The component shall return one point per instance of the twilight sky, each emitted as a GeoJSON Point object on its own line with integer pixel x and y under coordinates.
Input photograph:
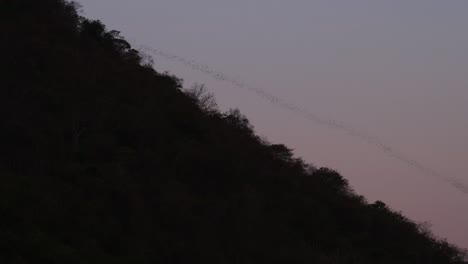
{"type": "Point", "coordinates": [397, 70]}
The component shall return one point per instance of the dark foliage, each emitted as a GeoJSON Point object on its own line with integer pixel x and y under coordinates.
{"type": "Point", "coordinates": [104, 160]}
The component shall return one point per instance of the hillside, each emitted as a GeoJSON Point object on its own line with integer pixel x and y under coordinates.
{"type": "Point", "coordinates": [105, 160]}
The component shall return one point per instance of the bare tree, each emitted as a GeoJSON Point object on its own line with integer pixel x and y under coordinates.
{"type": "Point", "coordinates": [204, 99]}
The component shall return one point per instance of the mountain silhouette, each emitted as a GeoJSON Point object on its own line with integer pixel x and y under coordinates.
{"type": "Point", "coordinates": [105, 160]}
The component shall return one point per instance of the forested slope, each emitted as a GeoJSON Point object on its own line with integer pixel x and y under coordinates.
{"type": "Point", "coordinates": [104, 160]}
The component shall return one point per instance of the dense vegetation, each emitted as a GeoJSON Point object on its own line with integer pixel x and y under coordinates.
{"type": "Point", "coordinates": [104, 160]}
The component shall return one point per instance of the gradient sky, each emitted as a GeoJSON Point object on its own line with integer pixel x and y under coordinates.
{"type": "Point", "coordinates": [397, 70]}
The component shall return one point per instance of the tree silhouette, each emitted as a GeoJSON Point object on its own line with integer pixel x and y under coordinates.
{"type": "Point", "coordinates": [203, 98]}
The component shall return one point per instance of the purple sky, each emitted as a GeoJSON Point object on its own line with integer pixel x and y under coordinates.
{"type": "Point", "coordinates": [397, 70]}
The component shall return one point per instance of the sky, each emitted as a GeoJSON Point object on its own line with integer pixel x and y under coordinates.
{"type": "Point", "coordinates": [396, 70]}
